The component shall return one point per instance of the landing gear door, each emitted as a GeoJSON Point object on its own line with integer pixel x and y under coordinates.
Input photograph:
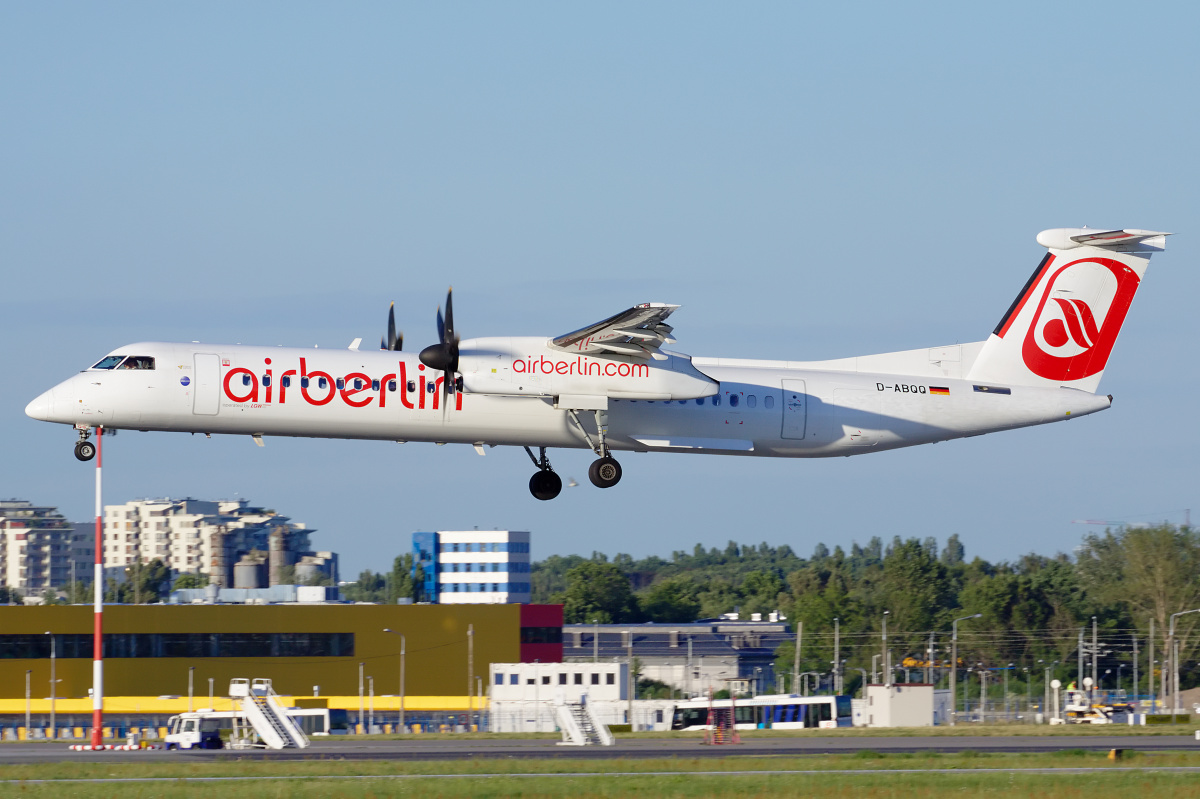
{"type": "Point", "coordinates": [795, 409]}
{"type": "Point", "coordinates": [206, 397]}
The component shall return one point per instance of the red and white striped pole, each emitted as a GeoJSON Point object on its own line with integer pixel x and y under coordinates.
{"type": "Point", "coordinates": [98, 597]}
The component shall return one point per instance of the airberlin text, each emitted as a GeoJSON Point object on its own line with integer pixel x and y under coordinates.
{"type": "Point", "coordinates": [901, 388]}
{"type": "Point", "coordinates": [586, 367]}
{"type": "Point", "coordinates": [355, 389]}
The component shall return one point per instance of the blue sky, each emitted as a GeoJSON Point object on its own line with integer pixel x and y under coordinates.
{"type": "Point", "coordinates": [808, 182]}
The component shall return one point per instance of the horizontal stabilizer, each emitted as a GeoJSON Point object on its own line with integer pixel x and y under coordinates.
{"type": "Point", "coordinates": [1127, 240]}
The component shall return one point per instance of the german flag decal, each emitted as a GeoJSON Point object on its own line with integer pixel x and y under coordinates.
{"type": "Point", "coordinates": [939, 390]}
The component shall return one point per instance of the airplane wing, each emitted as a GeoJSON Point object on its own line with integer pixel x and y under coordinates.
{"type": "Point", "coordinates": [637, 332]}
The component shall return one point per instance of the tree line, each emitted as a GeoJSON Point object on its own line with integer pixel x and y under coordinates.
{"type": "Point", "coordinates": [1031, 609]}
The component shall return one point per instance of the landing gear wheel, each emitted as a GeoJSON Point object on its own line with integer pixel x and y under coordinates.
{"type": "Point", "coordinates": [605, 472]}
{"type": "Point", "coordinates": [545, 484]}
{"type": "Point", "coordinates": [85, 450]}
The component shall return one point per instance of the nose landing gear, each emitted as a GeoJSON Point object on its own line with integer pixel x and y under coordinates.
{"type": "Point", "coordinates": [545, 483]}
{"type": "Point", "coordinates": [84, 449]}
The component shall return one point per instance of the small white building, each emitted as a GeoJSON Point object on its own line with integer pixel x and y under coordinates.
{"type": "Point", "coordinates": [523, 696]}
{"type": "Point", "coordinates": [905, 705]}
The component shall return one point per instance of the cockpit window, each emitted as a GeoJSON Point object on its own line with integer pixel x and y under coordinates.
{"type": "Point", "coordinates": [138, 362]}
{"type": "Point", "coordinates": [109, 362]}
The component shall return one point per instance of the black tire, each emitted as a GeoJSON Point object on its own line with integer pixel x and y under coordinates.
{"type": "Point", "coordinates": [604, 472]}
{"type": "Point", "coordinates": [545, 485]}
{"type": "Point", "coordinates": [85, 450]}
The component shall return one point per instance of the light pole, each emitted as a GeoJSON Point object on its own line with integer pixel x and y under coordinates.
{"type": "Point", "coordinates": [689, 669]}
{"type": "Point", "coordinates": [954, 665]}
{"type": "Point", "coordinates": [1006, 705]}
{"type": "Point", "coordinates": [863, 672]}
{"type": "Point", "coordinates": [470, 669]}
{"type": "Point", "coordinates": [360, 695]}
{"type": "Point", "coordinates": [371, 717]}
{"type": "Point", "coordinates": [757, 679]}
{"type": "Point", "coordinates": [1028, 691]}
{"type": "Point", "coordinates": [887, 673]}
{"type": "Point", "coordinates": [28, 675]}
{"type": "Point", "coordinates": [191, 685]}
{"type": "Point", "coordinates": [1173, 653]}
{"type": "Point", "coordinates": [53, 727]}
{"type": "Point", "coordinates": [875, 668]}
{"type": "Point", "coordinates": [837, 653]}
{"type": "Point", "coordinates": [403, 642]}
{"type": "Point", "coordinates": [595, 641]}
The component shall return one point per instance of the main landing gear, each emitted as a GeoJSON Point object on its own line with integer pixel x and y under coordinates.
{"type": "Point", "coordinates": [84, 449]}
{"type": "Point", "coordinates": [545, 483]}
{"type": "Point", "coordinates": [604, 472]}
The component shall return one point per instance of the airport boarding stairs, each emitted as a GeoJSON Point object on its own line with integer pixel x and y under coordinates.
{"type": "Point", "coordinates": [579, 726]}
{"type": "Point", "coordinates": [264, 721]}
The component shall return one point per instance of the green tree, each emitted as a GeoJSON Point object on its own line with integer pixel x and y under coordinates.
{"type": "Point", "coordinates": [400, 581]}
{"type": "Point", "coordinates": [598, 591]}
{"type": "Point", "coordinates": [1150, 572]}
{"type": "Point", "coordinates": [671, 601]}
{"type": "Point", "coordinates": [191, 580]}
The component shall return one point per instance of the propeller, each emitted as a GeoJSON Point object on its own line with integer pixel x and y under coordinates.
{"type": "Point", "coordinates": [443, 356]}
{"type": "Point", "coordinates": [394, 340]}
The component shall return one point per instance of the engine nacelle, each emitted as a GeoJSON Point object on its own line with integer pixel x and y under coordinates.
{"type": "Point", "coordinates": [528, 366]}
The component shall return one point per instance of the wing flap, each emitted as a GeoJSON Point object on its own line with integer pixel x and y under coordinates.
{"type": "Point", "coordinates": [637, 333]}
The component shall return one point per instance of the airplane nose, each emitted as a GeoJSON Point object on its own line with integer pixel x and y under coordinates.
{"type": "Point", "coordinates": [41, 407]}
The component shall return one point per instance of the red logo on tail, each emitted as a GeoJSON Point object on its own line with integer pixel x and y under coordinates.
{"type": "Point", "coordinates": [1071, 338]}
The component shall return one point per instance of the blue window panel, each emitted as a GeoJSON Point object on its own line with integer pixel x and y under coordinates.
{"type": "Point", "coordinates": [245, 380]}
{"type": "Point", "coordinates": [341, 383]}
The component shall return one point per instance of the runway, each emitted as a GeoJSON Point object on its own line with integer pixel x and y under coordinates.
{"type": "Point", "coordinates": [526, 749]}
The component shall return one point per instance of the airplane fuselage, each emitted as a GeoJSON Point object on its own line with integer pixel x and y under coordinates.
{"type": "Point", "coordinates": [758, 408]}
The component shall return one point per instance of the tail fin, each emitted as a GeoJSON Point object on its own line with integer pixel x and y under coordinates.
{"type": "Point", "coordinates": [1062, 326]}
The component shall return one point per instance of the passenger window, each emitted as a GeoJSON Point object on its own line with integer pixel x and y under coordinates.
{"type": "Point", "coordinates": [357, 384]}
{"type": "Point", "coordinates": [733, 400]}
{"type": "Point", "coordinates": [431, 387]}
{"type": "Point", "coordinates": [716, 399]}
{"type": "Point", "coordinates": [109, 362]}
{"type": "Point", "coordinates": [304, 382]}
{"type": "Point", "coordinates": [768, 401]}
{"type": "Point", "coordinates": [699, 400]}
{"type": "Point", "coordinates": [412, 385]}
{"type": "Point", "coordinates": [391, 385]}
{"type": "Point", "coordinates": [322, 383]}
{"type": "Point", "coordinates": [374, 385]}
{"type": "Point", "coordinates": [341, 383]}
{"type": "Point", "coordinates": [245, 380]}
{"type": "Point", "coordinates": [266, 380]}
{"type": "Point", "coordinates": [285, 382]}
{"type": "Point", "coordinates": [751, 401]}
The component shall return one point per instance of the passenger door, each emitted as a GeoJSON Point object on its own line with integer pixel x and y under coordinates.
{"type": "Point", "coordinates": [795, 409]}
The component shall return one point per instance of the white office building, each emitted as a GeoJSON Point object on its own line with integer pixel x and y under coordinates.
{"type": "Point", "coordinates": [474, 567]}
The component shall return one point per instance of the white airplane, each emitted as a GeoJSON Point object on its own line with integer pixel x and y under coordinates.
{"type": "Point", "coordinates": [610, 387]}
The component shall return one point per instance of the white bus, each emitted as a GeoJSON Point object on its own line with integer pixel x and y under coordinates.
{"type": "Point", "coordinates": [773, 712]}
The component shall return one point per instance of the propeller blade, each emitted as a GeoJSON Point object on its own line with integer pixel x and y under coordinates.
{"type": "Point", "coordinates": [393, 340]}
{"type": "Point", "coordinates": [449, 332]}
{"type": "Point", "coordinates": [441, 326]}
